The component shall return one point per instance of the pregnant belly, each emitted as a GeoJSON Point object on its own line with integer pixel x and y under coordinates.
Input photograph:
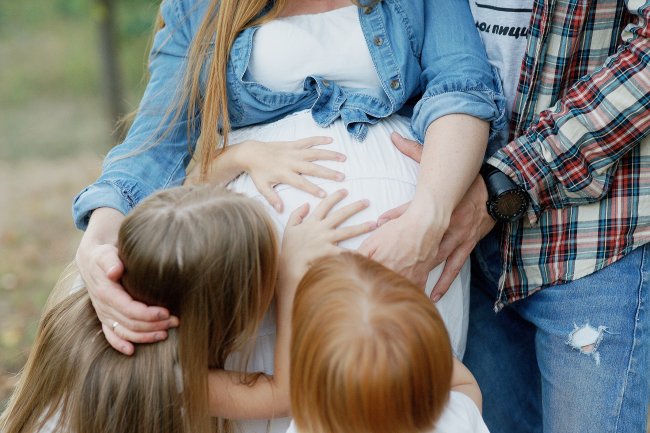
{"type": "Point", "coordinates": [374, 168]}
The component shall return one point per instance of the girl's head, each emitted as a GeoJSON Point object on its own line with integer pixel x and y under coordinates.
{"type": "Point", "coordinates": [210, 257]}
{"type": "Point", "coordinates": [369, 351]}
{"type": "Point", "coordinates": [206, 254]}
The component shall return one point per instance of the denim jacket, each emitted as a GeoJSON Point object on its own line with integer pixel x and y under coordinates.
{"type": "Point", "coordinates": [424, 51]}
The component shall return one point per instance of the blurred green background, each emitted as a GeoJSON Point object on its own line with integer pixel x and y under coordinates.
{"type": "Point", "coordinates": [56, 123]}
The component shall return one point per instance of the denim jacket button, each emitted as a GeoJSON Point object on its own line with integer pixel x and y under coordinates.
{"type": "Point", "coordinates": [395, 84]}
{"type": "Point", "coordinates": [379, 41]}
{"type": "Point", "coordinates": [367, 10]}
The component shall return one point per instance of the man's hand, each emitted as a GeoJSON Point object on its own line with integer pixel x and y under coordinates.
{"type": "Point", "coordinates": [469, 223]}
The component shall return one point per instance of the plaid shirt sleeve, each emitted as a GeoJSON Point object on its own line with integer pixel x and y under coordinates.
{"type": "Point", "coordinates": [570, 155]}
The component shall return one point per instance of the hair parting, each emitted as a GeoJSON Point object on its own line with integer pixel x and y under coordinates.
{"type": "Point", "coordinates": [369, 351]}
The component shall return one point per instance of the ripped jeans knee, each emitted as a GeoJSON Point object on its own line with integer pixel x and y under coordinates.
{"type": "Point", "coordinates": [586, 339]}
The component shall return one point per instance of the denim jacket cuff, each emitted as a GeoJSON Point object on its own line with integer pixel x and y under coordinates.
{"type": "Point", "coordinates": [471, 98]}
{"type": "Point", "coordinates": [105, 194]}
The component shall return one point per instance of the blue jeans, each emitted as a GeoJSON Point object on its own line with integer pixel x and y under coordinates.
{"type": "Point", "coordinates": [571, 358]}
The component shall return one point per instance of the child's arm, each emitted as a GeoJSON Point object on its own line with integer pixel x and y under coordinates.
{"type": "Point", "coordinates": [462, 380]}
{"type": "Point", "coordinates": [272, 163]}
{"type": "Point", "coordinates": [305, 240]}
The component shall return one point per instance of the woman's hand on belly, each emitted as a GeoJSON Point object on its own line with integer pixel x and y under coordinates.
{"type": "Point", "coordinates": [408, 244]}
{"type": "Point", "coordinates": [469, 223]}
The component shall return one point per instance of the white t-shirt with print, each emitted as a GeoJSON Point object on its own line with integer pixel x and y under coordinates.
{"type": "Point", "coordinates": [503, 26]}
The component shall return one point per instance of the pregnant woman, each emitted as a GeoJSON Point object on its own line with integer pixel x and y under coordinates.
{"type": "Point", "coordinates": [262, 78]}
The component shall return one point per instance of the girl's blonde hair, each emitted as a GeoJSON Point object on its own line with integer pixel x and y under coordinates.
{"type": "Point", "coordinates": [210, 257]}
{"type": "Point", "coordinates": [369, 351]}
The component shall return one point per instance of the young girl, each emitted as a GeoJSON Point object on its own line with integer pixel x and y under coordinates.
{"type": "Point", "coordinates": [370, 354]}
{"type": "Point", "coordinates": [211, 258]}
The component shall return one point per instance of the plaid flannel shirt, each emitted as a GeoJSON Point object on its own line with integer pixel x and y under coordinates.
{"type": "Point", "coordinates": [581, 115]}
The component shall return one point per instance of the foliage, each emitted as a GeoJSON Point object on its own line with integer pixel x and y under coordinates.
{"type": "Point", "coordinates": [50, 82]}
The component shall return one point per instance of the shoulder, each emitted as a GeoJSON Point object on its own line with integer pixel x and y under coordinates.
{"type": "Point", "coordinates": [461, 416]}
{"type": "Point", "coordinates": [184, 15]}
{"type": "Point", "coordinates": [292, 428]}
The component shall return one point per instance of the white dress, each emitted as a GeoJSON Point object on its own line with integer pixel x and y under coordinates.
{"type": "Point", "coordinates": [460, 416]}
{"type": "Point", "coordinates": [285, 51]}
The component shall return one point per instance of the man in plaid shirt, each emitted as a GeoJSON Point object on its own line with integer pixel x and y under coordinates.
{"type": "Point", "coordinates": [568, 351]}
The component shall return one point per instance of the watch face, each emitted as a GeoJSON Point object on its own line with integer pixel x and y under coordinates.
{"type": "Point", "coordinates": [509, 203]}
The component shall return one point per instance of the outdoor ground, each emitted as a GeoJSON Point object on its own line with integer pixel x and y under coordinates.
{"type": "Point", "coordinates": [38, 240]}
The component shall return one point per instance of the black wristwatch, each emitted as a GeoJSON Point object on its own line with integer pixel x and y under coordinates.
{"type": "Point", "coordinates": [507, 201]}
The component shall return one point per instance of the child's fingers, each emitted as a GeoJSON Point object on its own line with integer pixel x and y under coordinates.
{"type": "Point", "coordinates": [308, 142]}
{"type": "Point", "coordinates": [271, 196]}
{"type": "Point", "coordinates": [323, 155]}
{"type": "Point", "coordinates": [350, 232]}
{"type": "Point", "coordinates": [303, 184]}
{"type": "Point", "coordinates": [335, 219]}
{"type": "Point", "coordinates": [298, 215]}
{"type": "Point", "coordinates": [311, 169]}
{"type": "Point", "coordinates": [326, 205]}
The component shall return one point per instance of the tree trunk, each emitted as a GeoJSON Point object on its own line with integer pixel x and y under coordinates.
{"type": "Point", "coordinates": [110, 65]}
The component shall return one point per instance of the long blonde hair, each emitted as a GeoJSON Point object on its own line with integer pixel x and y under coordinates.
{"type": "Point", "coordinates": [369, 351]}
{"type": "Point", "coordinates": [224, 20]}
{"type": "Point", "coordinates": [210, 257]}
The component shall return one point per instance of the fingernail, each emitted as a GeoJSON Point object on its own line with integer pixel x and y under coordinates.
{"type": "Point", "coordinates": [340, 176]}
{"type": "Point", "coordinates": [372, 225]}
{"type": "Point", "coordinates": [160, 336]}
{"type": "Point", "coordinates": [162, 315]}
{"type": "Point", "coordinates": [436, 298]}
{"type": "Point", "coordinates": [365, 202]}
{"type": "Point", "coordinates": [126, 350]}
{"type": "Point", "coordinates": [381, 222]}
{"type": "Point", "coordinates": [278, 207]}
{"type": "Point", "coordinates": [112, 269]}
{"type": "Point", "coordinates": [321, 194]}
{"type": "Point", "coordinates": [342, 158]}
